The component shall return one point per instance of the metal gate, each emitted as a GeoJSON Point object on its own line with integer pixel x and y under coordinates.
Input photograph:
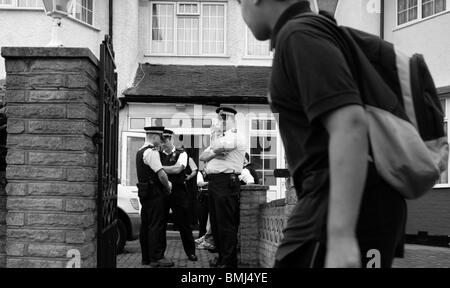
{"type": "Point", "coordinates": [108, 116]}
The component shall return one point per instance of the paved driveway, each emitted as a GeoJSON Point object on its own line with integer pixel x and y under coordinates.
{"type": "Point", "coordinates": [415, 256]}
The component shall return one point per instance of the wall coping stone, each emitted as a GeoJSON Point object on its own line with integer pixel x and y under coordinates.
{"type": "Point", "coordinates": [49, 52]}
{"type": "Point", "coordinates": [254, 187]}
{"type": "Point", "coordinates": [274, 203]}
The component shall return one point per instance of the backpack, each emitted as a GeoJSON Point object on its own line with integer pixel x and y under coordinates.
{"type": "Point", "coordinates": [407, 136]}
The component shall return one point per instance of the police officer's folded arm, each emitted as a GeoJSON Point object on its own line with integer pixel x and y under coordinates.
{"type": "Point", "coordinates": [179, 166]}
{"type": "Point", "coordinates": [225, 144]}
{"type": "Point", "coordinates": [175, 169]}
{"type": "Point", "coordinates": [165, 180]}
{"type": "Point", "coordinates": [207, 155]}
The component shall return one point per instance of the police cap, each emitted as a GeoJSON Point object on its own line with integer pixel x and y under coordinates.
{"type": "Point", "coordinates": [154, 130]}
{"type": "Point", "coordinates": [226, 111]}
{"type": "Point", "coordinates": [167, 133]}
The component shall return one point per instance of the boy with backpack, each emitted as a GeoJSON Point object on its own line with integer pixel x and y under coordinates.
{"type": "Point", "coordinates": [347, 214]}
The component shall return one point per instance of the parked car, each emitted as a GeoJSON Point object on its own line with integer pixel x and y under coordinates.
{"type": "Point", "coordinates": [129, 219]}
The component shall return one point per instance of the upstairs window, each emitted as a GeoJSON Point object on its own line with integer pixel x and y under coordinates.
{"type": "Point", "coordinates": [256, 48]}
{"type": "Point", "coordinates": [407, 11]}
{"type": "Point", "coordinates": [412, 10]}
{"type": "Point", "coordinates": [83, 10]}
{"type": "Point", "coordinates": [187, 28]}
{"type": "Point", "coordinates": [22, 3]}
{"type": "Point", "coordinates": [431, 7]}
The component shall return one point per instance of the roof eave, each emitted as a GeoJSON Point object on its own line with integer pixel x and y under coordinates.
{"type": "Point", "coordinates": [204, 100]}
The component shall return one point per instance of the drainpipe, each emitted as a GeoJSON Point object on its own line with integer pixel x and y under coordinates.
{"type": "Point", "coordinates": [382, 19]}
{"type": "Point", "coordinates": [111, 19]}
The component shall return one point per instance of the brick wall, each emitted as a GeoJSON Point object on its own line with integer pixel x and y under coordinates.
{"type": "Point", "coordinates": [251, 198]}
{"type": "Point", "coordinates": [2, 220]}
{"type": "Point", "coordinates": [52, 162]}
{"type": "Point", "coordinates": [2, 176]}
{"type": "Point", "coordinates": [430, 214]}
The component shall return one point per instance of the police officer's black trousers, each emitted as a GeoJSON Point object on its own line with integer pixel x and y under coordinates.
{"type": "Point", "coordinates": [154, 216]}
{"type": "Point", "coordinates": [182, 219]}
{"type": "Point", "coordinates": [224, 216]}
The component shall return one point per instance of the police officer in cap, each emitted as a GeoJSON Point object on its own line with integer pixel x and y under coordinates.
{"type": "Point", "coordinates": [154, 188]}
{"type": "Point", "coordinates": [174, 162]}
{"type": "Point", "coordinates": [225, 158]}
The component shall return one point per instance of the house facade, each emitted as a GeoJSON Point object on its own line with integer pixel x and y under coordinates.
{"type": "Point", "coordinates": [422, 26]}
{"type": "Point", "coordinates": [24, 23]}
{"type": "Point", "coordinates": [189, 57]}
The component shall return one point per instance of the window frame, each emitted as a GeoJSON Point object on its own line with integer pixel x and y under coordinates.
{"type": "Point", "coordinates": [175, 32]}
{"type": "Point", "coordinates": [147, 122]}
{"type": "Point", "coordinates": [72, 14]}
{"type": "Point", "coordinates": [446, 100]}
{"type": "Point", "coordinates": [178, 13]}
{"type": "Point", "coordinates": [248, 56]}
{"type": "Point", "coordinates": [280, 185]}
{"type": "Point", "coordinates": [124, 156]}
{"type": "Point", "coordinates": [420, 17]}
{"type": "Point", "coordinates": [15, 6]}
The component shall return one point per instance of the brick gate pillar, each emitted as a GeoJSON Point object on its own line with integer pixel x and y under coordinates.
{"type": "Point", "coordinates": [51, 172]}
{"type": "Point", "coordinates": [251, 198]}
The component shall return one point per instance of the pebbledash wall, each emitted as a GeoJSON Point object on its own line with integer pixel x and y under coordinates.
{"type": "Point", "coordinates": [51, 161]}
{"type": "Point", "coordinates": [272, 219]}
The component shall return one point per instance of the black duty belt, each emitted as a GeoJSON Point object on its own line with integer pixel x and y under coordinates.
{"type": "Point", "coordinates": [219, 175]}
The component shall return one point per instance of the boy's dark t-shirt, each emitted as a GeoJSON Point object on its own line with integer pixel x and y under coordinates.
{"type": "Point", "coordinates": [310, 77]}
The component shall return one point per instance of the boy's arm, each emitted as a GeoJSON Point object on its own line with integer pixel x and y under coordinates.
{"type": "Point", "coordinates": [348, 150]}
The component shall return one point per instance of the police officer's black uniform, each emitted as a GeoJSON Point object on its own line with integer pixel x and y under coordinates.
{"type": "Point", "coordinates": [155, 208]}
{"type": "Point", "coordinates": [179, 201]}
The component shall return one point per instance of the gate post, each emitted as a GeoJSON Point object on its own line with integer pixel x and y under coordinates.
{"type": "Point", "coordinates": [52, 161]}
{"type": "Point", "coordinates": [251, 199]}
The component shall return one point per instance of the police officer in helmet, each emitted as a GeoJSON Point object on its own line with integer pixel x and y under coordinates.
{"type": "Point", "coordinates": [225, 158]}
{"type": "Point", "coordinates": [174, 162]}
{"type": "Point", "coordinates": [154, 188]}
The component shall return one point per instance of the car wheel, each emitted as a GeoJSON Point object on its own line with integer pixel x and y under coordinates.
{"type": "Point", "coordinates": [121, 236]}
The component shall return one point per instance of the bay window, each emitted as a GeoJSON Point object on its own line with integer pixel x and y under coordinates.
{"type": "Point", "coordinates": [187, 28]}
{"type": "Point", "coordinates": [413, 10]}
{"type": "Point", "coordinates": [83, 10]}
{"type": "Point", "coordinates": [21, 4]}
